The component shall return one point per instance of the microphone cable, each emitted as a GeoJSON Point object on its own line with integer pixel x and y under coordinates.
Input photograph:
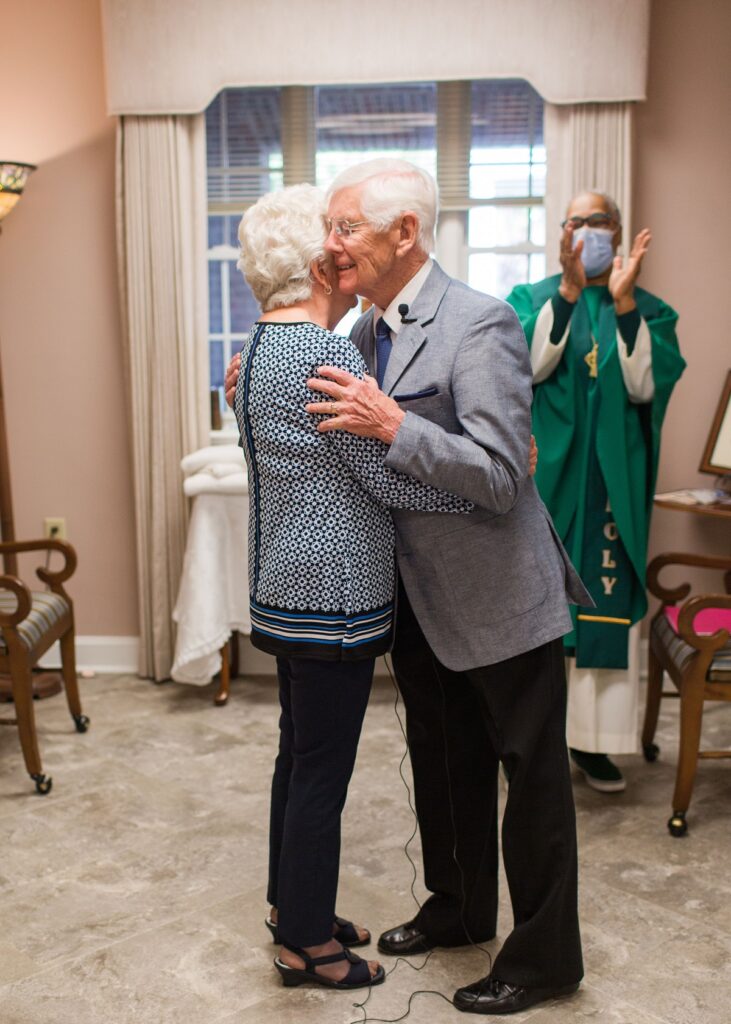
{"type": "Point", "coordinates": [366, 1019]}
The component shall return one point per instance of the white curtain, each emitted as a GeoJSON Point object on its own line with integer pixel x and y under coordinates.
{"type": "Point", "coordinates": [161, 230]}
{"type": "Point", "coordinates": [588, 146]}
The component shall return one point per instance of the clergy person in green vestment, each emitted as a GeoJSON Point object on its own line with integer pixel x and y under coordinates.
{"type": "Point", "coordinates": [605, 359]}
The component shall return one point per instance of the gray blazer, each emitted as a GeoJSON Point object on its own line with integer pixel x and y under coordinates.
{"type": "Point", "coordinates": [494, 584]}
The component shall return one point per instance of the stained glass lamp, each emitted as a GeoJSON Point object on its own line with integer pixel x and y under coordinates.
{"type": "Point", "coordinates": [13, 177]}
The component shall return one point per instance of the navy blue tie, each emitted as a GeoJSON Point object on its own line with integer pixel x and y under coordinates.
{"type": "Point", "coordinates": [383, 349]}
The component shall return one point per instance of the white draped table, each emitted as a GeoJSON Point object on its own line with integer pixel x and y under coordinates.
{"type": "Point", "coordinates": [213, 598]}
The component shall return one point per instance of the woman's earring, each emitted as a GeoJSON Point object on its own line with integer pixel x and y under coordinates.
{"type": "Point", "coordinates": [328, 289]}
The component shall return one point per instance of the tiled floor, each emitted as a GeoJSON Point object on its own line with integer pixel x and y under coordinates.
{"type": "Point", "coordinates": [134, 892]}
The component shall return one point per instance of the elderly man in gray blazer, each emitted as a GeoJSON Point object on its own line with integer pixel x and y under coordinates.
{"type": "Point", "coordinates": [482, 603]}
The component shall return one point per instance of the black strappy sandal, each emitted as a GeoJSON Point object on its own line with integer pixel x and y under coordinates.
{"type": "Point", "coordinates": [359, 975]}
{"type": "Point", "coordinates": [346, 933]}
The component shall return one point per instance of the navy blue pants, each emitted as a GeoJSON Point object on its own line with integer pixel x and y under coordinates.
{"type": "Point", "coordinates": [322, 708]}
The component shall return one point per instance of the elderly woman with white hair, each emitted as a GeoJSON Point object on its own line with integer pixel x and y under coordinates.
{"type": "Point", "coordinates": [321, 572]}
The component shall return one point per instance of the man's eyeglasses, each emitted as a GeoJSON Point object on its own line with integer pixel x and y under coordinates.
{"type": "Point", "coordinates": [343, 228]}
{"type": "Point", "coordinates": [594, 220]}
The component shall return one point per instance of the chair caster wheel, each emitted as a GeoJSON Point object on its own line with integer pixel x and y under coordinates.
{"type": "Point", "coordinates": [81, 722]}
{"type": "Point", "coordinates": [650, 750]}
{"type": "Point", "coordinates": [677, 825]}
{"type": "Point", "coordinates": [43, 783]}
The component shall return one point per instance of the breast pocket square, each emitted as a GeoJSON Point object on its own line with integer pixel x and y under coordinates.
{"type": "Point", "coordinates": [426, 393]}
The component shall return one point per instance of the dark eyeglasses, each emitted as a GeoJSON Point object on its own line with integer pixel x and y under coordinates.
{"type": "Point", "coordinates": [594, 220]}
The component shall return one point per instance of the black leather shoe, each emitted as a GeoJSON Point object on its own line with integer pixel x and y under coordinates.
{"type": "Point", "coordinates": [405, 940]}
{"type": "Point", "coordinates": [490, 995]}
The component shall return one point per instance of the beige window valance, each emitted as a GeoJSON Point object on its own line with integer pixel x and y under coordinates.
{"type": "Point", "coordinates": [173, 56]}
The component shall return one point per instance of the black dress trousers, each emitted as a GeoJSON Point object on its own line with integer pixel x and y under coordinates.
{"type": "Point", "coordinates": [460, 726]}
{"type": "Point", "coordinates": [322, 708]}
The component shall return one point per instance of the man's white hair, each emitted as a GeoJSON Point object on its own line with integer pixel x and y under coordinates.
{"type": "Point", "coordinates": [280, 236]}
{"type": "Point", "coordinates": [391, 188]}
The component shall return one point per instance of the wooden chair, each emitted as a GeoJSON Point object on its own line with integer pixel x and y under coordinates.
{"type": "Point", "coordinates": [698, 662]}
{"type": "Point", "coordinates": [30, 621]}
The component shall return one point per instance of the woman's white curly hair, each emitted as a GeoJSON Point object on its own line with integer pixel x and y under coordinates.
{"type": "Point", "coordinates": [280, 236]}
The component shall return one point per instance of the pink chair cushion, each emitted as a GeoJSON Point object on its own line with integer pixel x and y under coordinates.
{"type": "Point", "coordinates": [707, 621]}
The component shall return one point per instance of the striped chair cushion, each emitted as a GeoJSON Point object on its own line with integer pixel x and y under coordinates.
{"type": "Point", "coordinates": [680, 652]}
{"type": "Point", "coordinates": [46, 609]}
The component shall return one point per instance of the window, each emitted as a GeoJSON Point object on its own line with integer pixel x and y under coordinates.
{"type": "Point", "coordinates": [506, 230]}
{"type": "Point", "coordinates": [244, 160]}
{"type": "Point", "coordinates": [355, 123]}
{"type": "Point", "coordinates": [482, 140]}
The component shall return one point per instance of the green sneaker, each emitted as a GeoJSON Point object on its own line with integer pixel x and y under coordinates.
{"type": "Point", "coordinates": [599, 772]}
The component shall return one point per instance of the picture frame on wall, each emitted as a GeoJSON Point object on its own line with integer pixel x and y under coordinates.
{"type": "Point", "coordinates": [717, 453]}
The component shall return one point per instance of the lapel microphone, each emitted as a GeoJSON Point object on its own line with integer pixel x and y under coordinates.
{"type": "Point", "coordinates": [403, 313]}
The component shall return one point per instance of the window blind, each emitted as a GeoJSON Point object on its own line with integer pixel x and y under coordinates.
{"type": "Point", "coordinates": [244, 147]}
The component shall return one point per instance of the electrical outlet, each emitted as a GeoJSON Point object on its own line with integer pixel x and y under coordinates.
{"type": "Point", "coordinates": [54, 527]}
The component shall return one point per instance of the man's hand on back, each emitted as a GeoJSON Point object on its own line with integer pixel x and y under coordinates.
{"type": "Point", "coordinates": [359, 406]}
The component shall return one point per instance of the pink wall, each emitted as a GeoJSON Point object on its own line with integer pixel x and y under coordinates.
{"type": "Point", "coordinates": [683, 156]}
{"type": "Point", "coordinates": [59, 312]}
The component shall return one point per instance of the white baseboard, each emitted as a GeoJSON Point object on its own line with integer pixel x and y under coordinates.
{"type": "Point", "coordinates": [98, 654]}
{"type": "Point", "coordinates": [119, 654]}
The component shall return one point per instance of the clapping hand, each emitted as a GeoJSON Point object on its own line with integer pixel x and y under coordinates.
{"type": "Point", "coordinates": [573, 281]}
{"type": "Point", "coordinates": [623, 277]}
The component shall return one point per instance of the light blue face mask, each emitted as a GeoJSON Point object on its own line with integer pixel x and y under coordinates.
{"type": "Point", "coordinates": [598, 252]}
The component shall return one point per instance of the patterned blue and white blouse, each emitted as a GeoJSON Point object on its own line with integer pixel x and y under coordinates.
{"type": "Point", "coordinates": [321, 539]}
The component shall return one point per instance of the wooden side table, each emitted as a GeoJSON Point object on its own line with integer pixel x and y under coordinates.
{"type": "Point", "coordinates": [717, 509]}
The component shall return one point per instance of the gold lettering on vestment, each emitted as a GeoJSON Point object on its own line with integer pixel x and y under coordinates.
{"type": "Point", "coordinates": [607, 561]}
{"type": "Point", "coordinates": [610, 531]}
{"type": "Point", "coordinates": [608, 584]}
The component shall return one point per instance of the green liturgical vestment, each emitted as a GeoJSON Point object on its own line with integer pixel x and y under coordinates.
{"type": "Point", "coordinates": [598, 455]}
